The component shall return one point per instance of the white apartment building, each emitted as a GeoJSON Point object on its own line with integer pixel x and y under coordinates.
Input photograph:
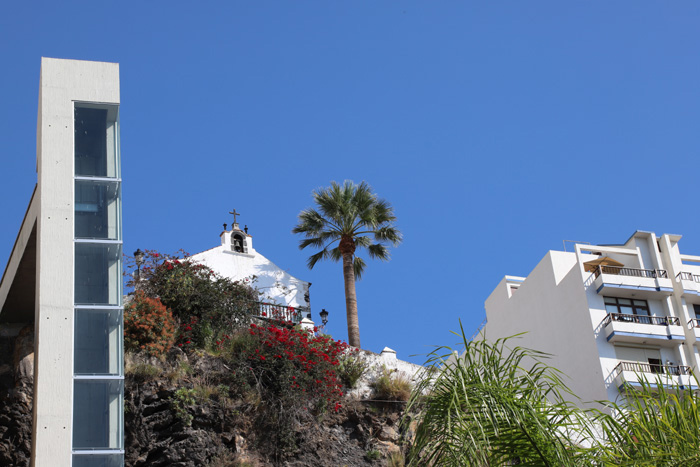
{"type": "Point", "coordinates": [609, 315]}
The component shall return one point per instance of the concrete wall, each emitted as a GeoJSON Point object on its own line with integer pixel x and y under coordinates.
{"type": "Point", "coordinates": [62, 83]}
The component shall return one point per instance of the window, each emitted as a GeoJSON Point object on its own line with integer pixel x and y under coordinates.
{"type": "Point", "coordinates": [98, 370]}
{"type": "Point", "coordinates": [625, 309]}
{"type": "Point", "coordinates": [96, 141]}
{"type": "Point", "coordinates": [97, 414]}
{"type": "Point", "coordinates": [97, 209]}
{"type": "Point", "coordinates": [655, 365]}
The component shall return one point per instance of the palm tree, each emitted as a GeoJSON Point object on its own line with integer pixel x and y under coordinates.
{"type": "Point", "coordinates": [354, 217]}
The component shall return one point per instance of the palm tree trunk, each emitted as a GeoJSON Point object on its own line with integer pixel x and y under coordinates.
{"type": "Point", "coordinates": [351, 301]}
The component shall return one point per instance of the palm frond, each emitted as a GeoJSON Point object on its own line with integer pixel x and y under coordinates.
{"type": "Point", "coordinates": [378, 251]}
{"type": "Point", "coordinates": [359, 267]}
{"type": "Point", "coordinates": [362, 241]}
{"type": "Point", "coordinates": [316, 257]}
{"type": "Point", "coordinates": [311, 223]}
{"type": "Point", "coordinates": [323, 240]}
{"type": "Point", "coordinates": [335, 254]}
{"type": "Point", "coordinates": [388, 234]}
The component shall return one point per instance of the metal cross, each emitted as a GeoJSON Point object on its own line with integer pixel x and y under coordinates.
{"type": "Point", "coordinates": [234, 215]}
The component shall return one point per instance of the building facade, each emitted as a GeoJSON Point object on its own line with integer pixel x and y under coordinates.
{"type": "Point", "coordinates": [235, 258]}
{"type": "Point", "coordinates": [64, 275]}
{"type": "Point", "coordinates": [609, 315]}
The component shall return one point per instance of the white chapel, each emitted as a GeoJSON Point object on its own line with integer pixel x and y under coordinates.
{"type": "Point", "coordinates": [236, 259]}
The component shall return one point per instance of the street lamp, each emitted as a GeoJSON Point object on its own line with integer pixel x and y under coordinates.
{"type": "Point", "coordinates": [138, 256]}
{"type": "Point", "coordinates": [324, 316]}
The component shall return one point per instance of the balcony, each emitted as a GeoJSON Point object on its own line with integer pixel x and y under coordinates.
{"type": "Point", "coordinates": [629, 375]}
{"type": "Point", "coordinates": [273, 312]}
{"type": "Point", "coordinates": [690, 282]}
{"type": "Point", "coordinates": [694, 324]}
{"type": "Point", "coordinates": [632, 282]}
{"type": "Point", "coordinates": [640, 329]}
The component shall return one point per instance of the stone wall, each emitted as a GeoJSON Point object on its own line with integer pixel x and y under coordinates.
{"type": "Point", "coordinates": [16, 394]}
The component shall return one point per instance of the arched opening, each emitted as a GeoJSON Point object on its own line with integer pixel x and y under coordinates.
{"type": "Point", "coordinates": [238, 243]}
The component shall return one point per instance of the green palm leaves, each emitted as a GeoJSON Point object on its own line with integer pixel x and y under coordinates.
{"type": "Point", "coordinates": [348, 211]}
{"type": "Point", "coordinates": [493, 406]}
{"type": "Point", "coordinates": [655, 427]}
{"type": "Point", "coordinates": [497, 406]}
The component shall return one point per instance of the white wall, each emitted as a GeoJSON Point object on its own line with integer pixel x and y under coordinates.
{"type": "Point", "coordinates": [551, 307]}
{"type": "Point", "coordinates": [276, 284]}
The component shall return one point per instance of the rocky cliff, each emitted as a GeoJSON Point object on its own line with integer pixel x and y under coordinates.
{"type": "Point", "coordinates": [215, 430]}
{"type": "Point", "coordinates": [178, 413]}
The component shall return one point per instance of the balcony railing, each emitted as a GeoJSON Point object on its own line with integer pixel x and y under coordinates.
{"type": "Point", "coordinates": [642, 319]}
{"type": "Point", "coordinates": [694, 323]}
{"type": "Point", "coordinates": [279, 312]}
{"type": "Point", "coordinates": [688, 276]}
{"type": "Point", "coordinates": [639, 367]}
{"type": "Point", "coordinates": [633, 272]}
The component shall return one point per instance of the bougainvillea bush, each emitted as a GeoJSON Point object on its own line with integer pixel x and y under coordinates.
{"type": "Point", "coordinates": [148, 326]}
{"type": "Point", "coordinates": [207, 305]}
{"type": "Point", "coordinates": [290, 363]}
{"type": "Point", "coordinates": [293, 371]}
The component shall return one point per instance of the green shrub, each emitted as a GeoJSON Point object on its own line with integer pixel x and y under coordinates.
{"type": "Point", "coordinates": [373, 455]}
{"type": "Point", "coordinates": [392, 386]}
{"type": "Point", "coordinates": [351, 367]}
{"type": "Point", "coordinates": [181, 401]}
{"type": "Point", "coordinates": [207, 305]}
{"type": "Point", "coordinates": [148, 326]}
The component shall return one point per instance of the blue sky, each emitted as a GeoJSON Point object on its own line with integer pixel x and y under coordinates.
{"type": "Point", "coordinates": [496, 129]}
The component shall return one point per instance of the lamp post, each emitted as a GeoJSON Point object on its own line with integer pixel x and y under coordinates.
{"type": "Point", "coordinates": [324, 316]}
{"type": "Point", "coordinates": [138, 256]}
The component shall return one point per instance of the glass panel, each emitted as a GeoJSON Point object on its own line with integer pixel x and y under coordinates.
{"type": "Point", "coordinates": [611, 308]}
{"type": "Point", "coordinates": [98, 342]}
{"type": "Point", "coordinates": [624, 301]}
{"type": "Point", "coordinates": [96, 141]}
{"type": "Point", "coordinates": [626, 310]}
{"type": "Point", "coordinates": [98, 274]}
{"type": "Point", "coordinates": [610, 301]}
{"type": "Point", "coordinates": [97, 414]}
{"type": "Point", "coordinates": [98, 460]}
{"type": "Point", "coordinates": [97, 209]}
